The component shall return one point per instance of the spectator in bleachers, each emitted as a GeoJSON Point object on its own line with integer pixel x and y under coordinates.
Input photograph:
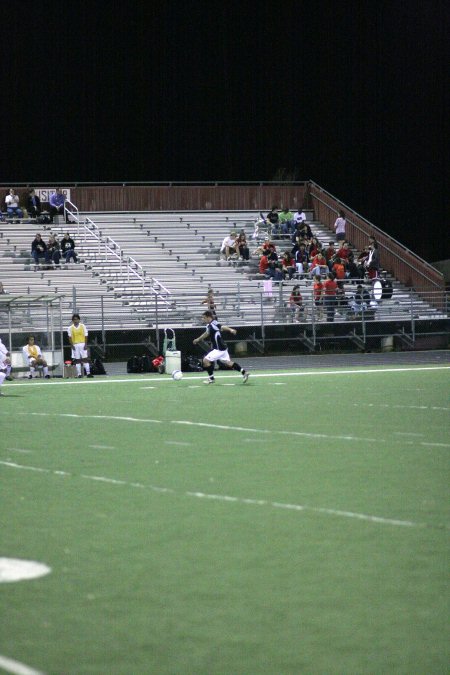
{"type": "Point", "coordinates": [329, 296]}
{"type": "Point", "coordinates": [68, 248]}
{"type": "Point", "coordinates": [352, 269]}
{"type": "Point", "coordinates": [54, 249]}
{"type": "Point", "coordinates": [33, 204]}
{"type": "Point", "coordinates": [341, 301]}
{"type": "Point", "coordinates": [57, 200]}
{"type": "Point", "coordinates": [305, 230]}
{"type": "Point", "coordinates": [338, 271]}
{"type": "Point", "coordinates": [39, 250]}
{"type": "Point", "coordinates": [301, 259]}
{"type": "Point", "coordinates": [274, 219]}
{"type": "Point", "coordinates": [318, 296]}
{"type": "Point", "coordinates": [2, 289]}
{"type": "Point", "coordinates": [296, 304]}
{"type": "Point", "coordinates": [210, 303]}
{"type": "Point", "coordinates": [287, 265]}
{"type": "Point", "coordinates": [329, 254]}
{"type": "Point", "coordinates": [318, 265]}
{"type": "Point", "coordinates": [360, 301]}
{"type": "Point", "coordinates": [339, 226]}
{"type": "Point", "coordinates": [286, 221]}
{"type": "Point", "coordinates": [33, 357]}
{"type": "Point", "coordinates": [343, 251]}
{"type": "Point", "coordinates": [373, 261]}
{"type": "Point", "coordinates": [313, 247]}
{"type": "Point", "coordinates": [263, 263]}
{"type": "Point", "coordinates": [228, 247]}
{"type": "Point", "coordinates": [299, 217]}
{"type": "Point", "coordinates": [241, 246]}
{"type": "Point", "coordinates": [12, 205]}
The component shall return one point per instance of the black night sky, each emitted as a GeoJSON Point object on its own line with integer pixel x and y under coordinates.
{"type": "Point", "coordinates": [353, 95]}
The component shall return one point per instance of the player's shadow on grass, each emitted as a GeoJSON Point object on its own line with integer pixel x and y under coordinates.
{"type": "Point", "coordinates": [11, 396]}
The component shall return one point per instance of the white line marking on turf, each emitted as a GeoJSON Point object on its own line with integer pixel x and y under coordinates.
{"type": "Point", "coordinates": [240, 500]}
{"type": "Point", "coordinates": [407, 433]}
{"type": "Point", "coordinates": [147, 387]}
{"type": "Point", "coordinates": [102, 447]}
{"type": "Point", "coordinates": [17, 668]}
{"type": "Point", "coordinates": [314, 373]}
{"type": "Point", "coordinates": [398, 405]}
{"type": "Point", "coordinates": [301, 434]}
{"type": "Point", "coordinates": [177, 443]}
{"type": "Point", "coordinates": [437, 445]}
{"type": "Point", "coordinates": [20, 450]}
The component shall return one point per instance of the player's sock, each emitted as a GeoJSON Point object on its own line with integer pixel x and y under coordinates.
{"type": "Point", "coordinates": [2, 377]}
{"type": "Point", "coordinates": [87, 368]}
{"type": "Point", "coordinates": [239, 368]}
{"type": "Point", "coordinates": [32, 371]}
{"type": "Point", "coordinates": [78, 367]}
{"type": "Point", "coordinates": [8, 370]}
{"type": "Point", "coordinates": [45, 369]}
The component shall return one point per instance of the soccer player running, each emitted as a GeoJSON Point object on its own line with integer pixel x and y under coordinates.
{"type": "Point", "coordinates": [219, 350]}
{"type": "Point", "coordinates": [78, 335]}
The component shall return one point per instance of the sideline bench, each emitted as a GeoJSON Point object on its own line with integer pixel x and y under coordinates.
{"type": "Point", "coordinates": [53, 361]}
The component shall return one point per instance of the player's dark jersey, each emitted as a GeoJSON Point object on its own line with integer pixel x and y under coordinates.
{"type": "Point", "coordinates": [215, 336]}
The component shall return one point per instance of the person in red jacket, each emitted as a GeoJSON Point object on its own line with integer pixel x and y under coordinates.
{"type": "Point", "coordinates": [329, 296]}
{"type": "Point", "coordinates": [263, 263]}
{"type": "Point", "coordinates": [318, 296]}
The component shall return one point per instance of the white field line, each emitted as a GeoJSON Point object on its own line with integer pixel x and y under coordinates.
{"type": "Point", "coordinates": [231, 499]}
{"type": "Point", "coordinates": [17, 668]}
{"type": "Point", "coordinates": [160, 379]}
{"type": "Point", "coordinates": [223, 427]}
{"type": "Point", "coordinates": [398, 405]}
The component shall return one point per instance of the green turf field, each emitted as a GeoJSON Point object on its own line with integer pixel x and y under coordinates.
{"type": "Point", "coordinates": [296, 524]}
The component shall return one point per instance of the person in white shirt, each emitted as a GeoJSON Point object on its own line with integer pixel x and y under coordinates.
{"type": "Point", "coordinates": [228, 247]}
{"type": "Point", "coordinates": [339, 226]}
{"type": "Point", "coordinates": [299, 216]}
{"type": "Point", "coordinates": [12, 204]}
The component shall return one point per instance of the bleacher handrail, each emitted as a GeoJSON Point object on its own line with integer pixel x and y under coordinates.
{"type": "Point", "coordinates": [134, 268]}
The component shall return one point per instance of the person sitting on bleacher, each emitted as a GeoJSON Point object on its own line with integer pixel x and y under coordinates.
{"type": "Point", "coordinates": [299, 217]}
{"type": "Point", "coordinates": [301, 260]}
{"type": "Point", "coordinates": [39, 250]}
{"type": "Point", "coordinates": [228, 247]}
{"type": "Point", "coordinates": [360, 301]}
{"type": "Point", "coordinates": [288, 265]}
{"type": "Point", "coordinates": [33, 204]}
{"type": "Point", "coordinates": [241, 246]}
{"type": "Point", "coordinates": [329, 254]}
{"type": "Point", "coordinates": [343, 251]}
{"type": "Point", "coordinates": [57, 200]}
{"type": "Point", "coordinates": [33, 357]}
{"type": "Point", "coordinates": [318, 265]}
{"type": "Point", "coordinates": [286, 221]}
{"type": "Point", "coordinates": [54, 249]}
{"type": "Point", "coordinates": [274, 219]}
{"type": "Point", "coordinates": [68, 248]}
{"type": "Point", "coordinates": [12, 205]}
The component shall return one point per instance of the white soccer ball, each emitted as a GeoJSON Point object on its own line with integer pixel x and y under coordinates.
{"type": "Point", "coordinates": [177, 375]}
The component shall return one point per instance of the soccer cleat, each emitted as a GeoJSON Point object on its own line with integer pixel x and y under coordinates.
{"type": "Point", "coordinates": [79, 376]}
{"type": "Point", "coordinates": [30, 377]}
{"type": "Point", "coordinates": [89, 375]}
{"type": "Point", "coordinates": [245, 377]}
{"type": "Point", "coordinates": [210, 380]}
{"type": "Point", "coordinates": [47, 377]}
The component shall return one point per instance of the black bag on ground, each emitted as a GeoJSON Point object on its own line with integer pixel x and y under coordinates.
{"type": "Point", "coordinates": [191, 364]}
{"type": "Point", "coordinates": [97, 367]}
{"type": "Point", "coordinates": [134, 365]}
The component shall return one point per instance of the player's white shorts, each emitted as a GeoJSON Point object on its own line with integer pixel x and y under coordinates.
{"type": "Point", "coordinates": [78, 351]}
{"type": "Point", "coordinates": [218, 355]}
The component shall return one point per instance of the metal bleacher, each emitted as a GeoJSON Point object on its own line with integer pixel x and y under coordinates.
{"type": "Point", "coordinates": [136, 269]}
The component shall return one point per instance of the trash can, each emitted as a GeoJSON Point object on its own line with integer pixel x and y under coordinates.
{"type": "Point", "coordinates": [173, 361]}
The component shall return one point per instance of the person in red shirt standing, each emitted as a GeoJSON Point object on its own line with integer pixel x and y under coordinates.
{"type": "Point", "coordinates": [318, 296]}
{"type": "Point", "coordinates": [329, 296]}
